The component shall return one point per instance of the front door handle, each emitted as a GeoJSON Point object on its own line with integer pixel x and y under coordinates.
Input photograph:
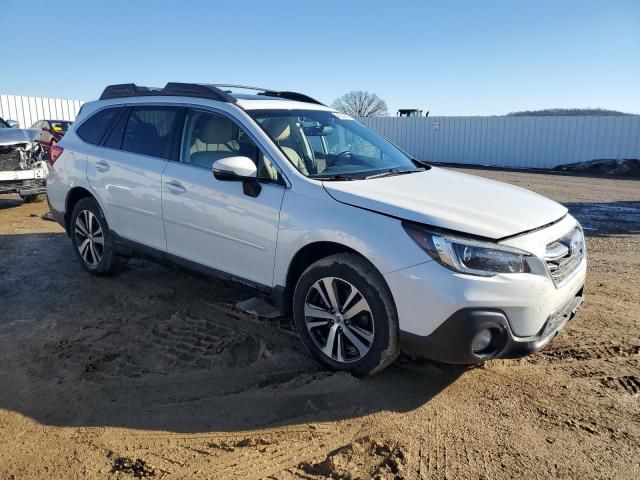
{"type": "Point", "coordinates": [175, 187]}
{"type": "Point", "coordinates": [102, 165]}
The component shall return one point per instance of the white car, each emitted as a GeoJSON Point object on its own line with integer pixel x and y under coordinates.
{"type": "Point", "coordinates": [370, 250]}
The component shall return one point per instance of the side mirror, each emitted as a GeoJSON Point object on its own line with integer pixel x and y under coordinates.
{"type": "Point", "coordinates": [241, 169]}
{"type": "Point", "coordinates": [13, 124]}
{"type": "Point", "coordinates": [234, 168]}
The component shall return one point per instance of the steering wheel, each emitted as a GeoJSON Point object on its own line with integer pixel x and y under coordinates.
{"type": "Point", "coordinates": [343, 154]}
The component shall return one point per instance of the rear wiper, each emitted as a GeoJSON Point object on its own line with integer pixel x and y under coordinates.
{"type": "Point", "coordinates": [395, 171]}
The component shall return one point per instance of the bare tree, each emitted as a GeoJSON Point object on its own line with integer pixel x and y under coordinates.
{"type": "Point", "coordinates": [361, 104]}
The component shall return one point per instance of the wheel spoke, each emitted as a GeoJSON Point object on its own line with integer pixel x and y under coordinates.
{"type": "Point", "coordinates": [329, 284]}
{"type": "Point", "coordinates": [352, 295]}
{"type": "Point", "coordinates": [318, 288]}
{"type": "Point", "coordinates": [355, 341]}
{"type": "Point", "coordinates": [316, 312]}
{"type": "Point", "coordinates": [331, 338]}
{"type": "Point", "coordinates": [94, 254]}
{"type": "Point", "coordinates": [368, 336]}
{"type": "Point", "coordinates": [83, 248]}
{"type": "Point", "coordinates": [80, 227]}
{"type": "Point", "coordinates": [340, 348]}
{"type": "Point", "coordinates": [357, 308]}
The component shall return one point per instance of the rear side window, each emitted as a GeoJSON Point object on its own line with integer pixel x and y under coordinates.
{"type": "Point", "coordinates": [150, 131]}
{"type": "Point", "coordinates": [94, 128]}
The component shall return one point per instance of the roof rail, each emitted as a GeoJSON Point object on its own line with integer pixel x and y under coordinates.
{"type": "Point", "coordinates": [125, 90]}
{"type": "Point", "coordinates": [269, 92]}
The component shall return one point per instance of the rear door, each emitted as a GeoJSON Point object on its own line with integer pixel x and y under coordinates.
{"type": "Point", "coordinates": [213, 222]}
{"type": "Point", "coordinates": [126, 171]}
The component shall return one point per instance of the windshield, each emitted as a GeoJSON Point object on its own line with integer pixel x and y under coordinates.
{"type": "Point", "coordinates": [60, 126]}
{"type": "Point", "coordinates": [323, 144]}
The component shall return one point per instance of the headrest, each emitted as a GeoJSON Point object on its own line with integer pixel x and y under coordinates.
{"type": "Point", "coordinates": [215, 130]}
{"type": "Point", "coordinates": [279, 129]}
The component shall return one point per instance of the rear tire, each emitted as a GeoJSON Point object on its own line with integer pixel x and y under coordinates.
{"type": "Point", "coordinates": [345, 315]}
{"type": "Point", "coordinates": [92, 240]}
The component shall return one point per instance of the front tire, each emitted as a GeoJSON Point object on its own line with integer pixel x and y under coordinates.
{"type": "Point", "coordinates": [345, 315]}
{"type": "Point", "coordinates": [92, 240]}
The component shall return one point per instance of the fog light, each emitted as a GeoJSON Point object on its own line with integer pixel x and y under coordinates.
{"type": "Point", "coordinates": [481, 341]}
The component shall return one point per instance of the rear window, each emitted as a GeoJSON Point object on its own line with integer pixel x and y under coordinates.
{"type": "Point", "coordinates": [150, 131]}
{"type": "Point", "coordinates": [93, 129]}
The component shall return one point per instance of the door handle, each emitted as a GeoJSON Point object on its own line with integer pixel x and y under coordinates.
{"type": "Point", "coordinates": [102, 165]}
{"type": "Point", "coordinates": [175, 187]}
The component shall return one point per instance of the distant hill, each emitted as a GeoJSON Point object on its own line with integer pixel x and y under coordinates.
{"type": "Point", "coordinates": [560, 112]}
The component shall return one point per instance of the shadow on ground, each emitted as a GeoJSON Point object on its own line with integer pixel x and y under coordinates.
{"type": "Point", "coordinates": [152, 348]}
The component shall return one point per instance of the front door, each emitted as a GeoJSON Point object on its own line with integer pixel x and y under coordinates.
{"type": "Point", "coordinates": [213, 222]}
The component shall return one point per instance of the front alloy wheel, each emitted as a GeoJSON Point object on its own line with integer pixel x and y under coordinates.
{"type": "Point", "coordinates": [339, 320]}
{"type": "Point", "coordinates": [345, 314]}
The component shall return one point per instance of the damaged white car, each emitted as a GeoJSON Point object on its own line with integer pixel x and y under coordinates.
{"type": "Point", "coordinates": [23, 168]}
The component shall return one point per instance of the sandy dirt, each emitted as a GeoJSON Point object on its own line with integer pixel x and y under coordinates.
{"type": "Point", "coordinates": [151, 374]}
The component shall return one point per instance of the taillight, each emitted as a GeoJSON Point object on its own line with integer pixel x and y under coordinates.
{"type": "Point", "coordinates": [56, 151]}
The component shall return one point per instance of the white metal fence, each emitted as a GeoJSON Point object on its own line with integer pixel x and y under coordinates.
{"type": "Point", "coordinates": [520, 142]}
{"type": "Point", "coordinates": [28, 110]}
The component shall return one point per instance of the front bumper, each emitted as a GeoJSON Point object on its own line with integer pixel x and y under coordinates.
{"type": "Point", "coordinates": [452, 341]}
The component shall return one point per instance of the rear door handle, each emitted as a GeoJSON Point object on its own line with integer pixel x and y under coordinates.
{"type": "Point", "coordinates": [102, 165]}
{"type": "Point", "coordinates": [175, 187]}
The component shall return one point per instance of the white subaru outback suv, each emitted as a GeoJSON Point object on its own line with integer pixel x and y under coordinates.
{"type": "Point", "coordinates": [369, 250]}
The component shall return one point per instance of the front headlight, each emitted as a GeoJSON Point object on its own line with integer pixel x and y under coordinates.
{"type": "Point", "coordinates": [469, 256]}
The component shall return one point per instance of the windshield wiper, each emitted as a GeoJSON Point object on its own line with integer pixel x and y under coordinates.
{"type": "Point", "coordinates": [334, 178]}
{"type": "Point", "coordinates": [394, 171]}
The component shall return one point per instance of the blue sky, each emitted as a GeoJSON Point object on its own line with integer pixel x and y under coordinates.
{"type": "Point", "coordinates": [449, 57]}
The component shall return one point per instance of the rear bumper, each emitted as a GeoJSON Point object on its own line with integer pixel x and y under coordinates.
{"type": "Point", "coordinates": [57, 215]}
{"type": "Point", "coordinates": [451, 341]}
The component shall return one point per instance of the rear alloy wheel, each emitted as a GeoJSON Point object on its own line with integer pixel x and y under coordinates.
{"type": "Point", "coordinates": [345, 314]}
{"type": "Point", "coordinates": [92, 239]}
{"type": "Point", "coordinates": [89, 238]}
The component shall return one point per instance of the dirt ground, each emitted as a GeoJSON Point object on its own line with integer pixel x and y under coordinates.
{"type": "Point", "coordinates": [152, 374]}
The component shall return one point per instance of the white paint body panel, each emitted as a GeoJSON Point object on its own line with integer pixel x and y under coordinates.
{"type": "Point", "coordinates": [452, 200]}
{"type": "Point", "coordinates": [213, 223]}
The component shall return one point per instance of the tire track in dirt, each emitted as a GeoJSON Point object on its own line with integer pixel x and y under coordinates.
{"type": "Point", "coordinates": [592, 352]}
{"type": "Point", "coordinates": [241, 322]}
{"type": "Point", "coordinates": [628, 384]}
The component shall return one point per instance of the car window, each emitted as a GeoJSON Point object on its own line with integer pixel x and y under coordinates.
{"type": "Point", "coordinates": [93, 129]}
{"type": "Point", "coordinates": [36, 125]}
{"type": "Point", "coordinates": [150, 131]}
{"type": "Point", "coordinates": [114, 137]}
{"type": "Point", "coordinates": [60, 126]}
{"type": "Point", "coordinates": [209, 137]}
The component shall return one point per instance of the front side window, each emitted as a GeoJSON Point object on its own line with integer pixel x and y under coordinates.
{"type": "Point", "coordinates": [323, 144]}
{"type": "Point", "coordinates": [209, 137]}
{"type": "Point", "coordinates": [150, 131]}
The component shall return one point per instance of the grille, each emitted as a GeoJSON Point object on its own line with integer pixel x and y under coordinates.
{"type": "Point", "coordinates": [564, 255]}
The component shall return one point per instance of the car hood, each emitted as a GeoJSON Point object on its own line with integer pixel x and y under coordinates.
{"type": "Point", "coordinates": [15, 136]}
{"type": "Point", "coordinates": [451, 200]}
